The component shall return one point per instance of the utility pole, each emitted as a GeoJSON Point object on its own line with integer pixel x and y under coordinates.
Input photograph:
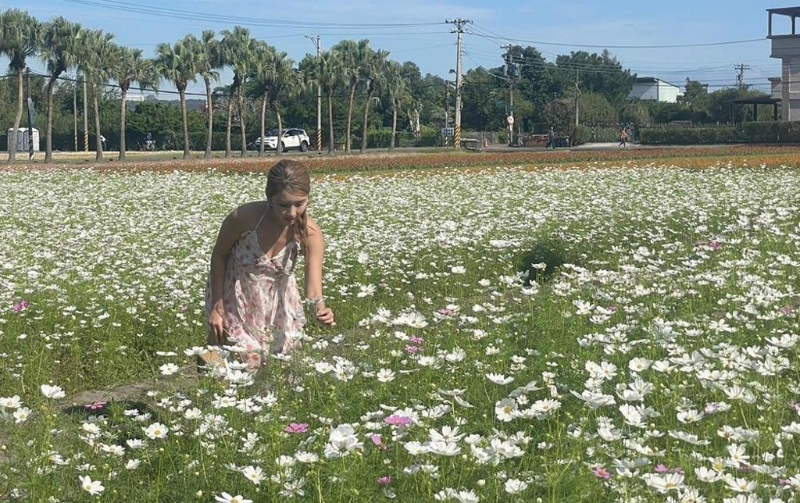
{"type": "Point", "coordinates": [446, 110]}
{"type": "Point", "coordinates": [85, 119]}
{"type": "Point", "coordinates": [510, 73]}
{"type": "Point", "coordinates": [75, 111]}
{"type": "Point", "coordinates": [577, 98]}
{"type": "Point", "coordinates": [315, 40]}
{"type": "Point", "coordinates": [740, 76]}
{"type": "Point", "coordinates": [459, 24]}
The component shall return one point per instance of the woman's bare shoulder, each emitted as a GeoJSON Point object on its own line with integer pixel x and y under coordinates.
{"type": "Point", "coordinates": [248, 211]}
{"type": "Point", "coordinates": [313, 227]}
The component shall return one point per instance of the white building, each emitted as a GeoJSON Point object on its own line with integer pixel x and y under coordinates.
{"type": "Point", "coordinates": [787, 48]}
{"type": "Point", "coordinates": [653, 89]}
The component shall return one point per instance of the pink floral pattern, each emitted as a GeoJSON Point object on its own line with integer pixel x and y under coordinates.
{"type": "Point", "coordinates": [263, 309]}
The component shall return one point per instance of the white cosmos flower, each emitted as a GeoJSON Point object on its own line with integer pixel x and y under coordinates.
{"type": "Point", "coordinates": [385, 375]}
{"type": "Point", "coordinates": [10, 403]}
{"type": "Point", "coordinates": [595, 400]}
{"type": "Point", "coordinates": [740, 485]}
{"type": "Point", "coordinates": [664, 483]}
{"type": "Point", "coordinates": [639, 364]}
{"type": "Point", "coordinates": [54, 392]}
{"type": "Point", "coordinates": [168, 369]}
{"type": "Point", "coordinates": [515, 486]}
{"type": "Point", "coordinates": [306, 457]}
{"type": "Point", "coordinates": [21, 415]}
{"type": "Point", "coordinates": [706, 475]}
{"type": "Point", "coordinates": [254, 474]}
{"type": "Point", "coordinates": [156, 431]}
{"type": "Point", "coordinates": [133, 464]}
{"type": "Point", "coordinates": [499, 378]}
{"type": "Point", "coordinates": [227, 498]}
{"type": "Point", "coordinates": [506, 409]}
{"type": "Point", "coordinates": [458, 269]}
{"type": "Point", "coordinates": [93, 487]}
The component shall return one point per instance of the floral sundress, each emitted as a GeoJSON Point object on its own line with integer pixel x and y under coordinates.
{"type": "Point", "coordinates": [263, 308]}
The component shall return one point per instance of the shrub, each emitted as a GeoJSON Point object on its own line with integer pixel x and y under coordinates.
{"type": "Point", "coordinates": [551, 251]}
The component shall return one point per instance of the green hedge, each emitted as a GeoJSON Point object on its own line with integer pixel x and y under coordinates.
{"type": "Point", "coordinates": [748, 132]}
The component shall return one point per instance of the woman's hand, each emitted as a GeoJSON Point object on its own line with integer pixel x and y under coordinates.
{"type": "Point", "coordinates": [216, 321]}
{"type": "Point", "coordinates": [324, 315]}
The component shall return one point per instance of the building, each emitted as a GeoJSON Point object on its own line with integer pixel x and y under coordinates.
{"type": "Point", "coordinates": [651, 88]}
{"type": "Point", "coordinates": [787, 48]}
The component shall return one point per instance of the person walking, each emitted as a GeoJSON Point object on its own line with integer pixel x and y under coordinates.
{"type": "Point", "coordinates": [551, 139]}
{"type": "Point", "coordinates": [623, 137]}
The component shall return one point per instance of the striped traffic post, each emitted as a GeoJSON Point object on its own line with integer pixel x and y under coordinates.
{"type": "Point", "coordinates": [319, 139]}
{"type": "Point", "coordinates": [86, 141]}
{"type": "Point", "coordinates": [457, 137]}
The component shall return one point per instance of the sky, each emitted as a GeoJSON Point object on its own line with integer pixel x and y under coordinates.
{"type": "Point", "coordinates": [705, 40]}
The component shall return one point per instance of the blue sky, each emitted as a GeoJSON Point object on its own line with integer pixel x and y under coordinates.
{"type": "Point", "coordinates": [415, 30]}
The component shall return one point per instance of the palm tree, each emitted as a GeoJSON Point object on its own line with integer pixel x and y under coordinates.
{"type": "Point", "coordinates": [18, 41]}
{"type": "Point", "coordinates": [58, 52]}
{"type": "Point", "coordinates": [276, 79]}
{"type": "Point", "coordinates": [178, 64]}
{"type": "Point", "coordinates": [209, 61]}
{"type": "Point", "coordinates": [354, 57]}
{"type": "Point", "coordinates": [263, 78]}
{"type": "Point", "coordinates": [375, 80]}
{"type": "Point", "coordinates": [328, 75]}
{"type": "Point", "coordinates": [237, 49]}
{"type": "Point", "coordinates": [131, 67]}
{"type": "Point", "coordinates": [95, 59]}
{"type": "Point", "coordinates": [397, 89]}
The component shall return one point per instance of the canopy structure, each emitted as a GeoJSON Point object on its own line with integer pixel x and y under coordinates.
{"type": "Point", "coordinates": [760, 100]}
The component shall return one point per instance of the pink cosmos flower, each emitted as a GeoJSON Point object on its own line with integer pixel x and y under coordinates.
{"type": "Point", "coordinates": [378, 441]}
{"type": "Point", "coordinates": [96, 405]}
{"type": "Point", "coordinates": [661, 469]}
{"type": "Point", "coordinates": [297, 428]}
{"type": "Point", "coordinates": [384, 481]}
{"type": "Point", "coordinates": [416, 340]}
{"type": "Point", "coordinates": [411, 349]}
{"type": "Point", "coordinates": [395, 420]}
{"type": "Point", "coordinates": [21, 306]}
{"type": "Point", "coordinates": [601, 473]}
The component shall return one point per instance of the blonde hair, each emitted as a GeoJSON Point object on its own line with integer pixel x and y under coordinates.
{"type": "Point", "coordinates": [293, 177]}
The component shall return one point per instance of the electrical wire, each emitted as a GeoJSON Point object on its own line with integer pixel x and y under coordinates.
{"type": "Point", "coordinates": [494, 36]}
{"type": "Point", "coordinates": [138, 8]}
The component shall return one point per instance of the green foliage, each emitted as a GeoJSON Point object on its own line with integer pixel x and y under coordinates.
{"type": "Point", "coordinates": [582, 134]}
{"type": "Point", "coordinates": [596, 109]}
{"type": "Point", "coordinates": [547, 254]}
{"type": "Point", "coordinates": [748, 132]}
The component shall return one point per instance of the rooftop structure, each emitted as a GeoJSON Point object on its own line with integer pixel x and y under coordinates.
{"type": "Point", "coordinates": [787, 47]}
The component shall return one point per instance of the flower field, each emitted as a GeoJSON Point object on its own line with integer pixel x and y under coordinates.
{"type": "Point", "coordinates": [609, 330]}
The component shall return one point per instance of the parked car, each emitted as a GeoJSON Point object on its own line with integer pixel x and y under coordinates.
{"type": "Point", "coordinates": [293, 138]}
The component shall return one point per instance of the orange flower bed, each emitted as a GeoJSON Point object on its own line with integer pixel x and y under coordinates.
{"type": "Point", "coordinates": [697, 157]}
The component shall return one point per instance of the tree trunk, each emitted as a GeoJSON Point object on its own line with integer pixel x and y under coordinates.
{"type": "Point", "coordinates": [97, 135]}
{"type": "Point", "coordinates": [264, 100]}
{"type": "Point", "coordinates": [228, 128]}
{"type": "Point", "coordinates": [12, 147]}
{"type": "Point", "coordinates": [48, 149]}
{"type": "Point", "coordinates": [185, 117]}
{"type": "Point", "coordinates": [394, 127]}
{"type": "Point", "coordinates": [350, 117]}
{"type": "Point", "coordinates": [210, 112]}
{"type": "Point", "coordinates": [331, 149]}
{"type": "Point", "coordinates": [364, 132]}
{"type": "Point", "coordinates": [123, 108]}
{"type": "Point", "coordinates": [241, 121]}
{"type": "Point", "coordinates": [278, 149]}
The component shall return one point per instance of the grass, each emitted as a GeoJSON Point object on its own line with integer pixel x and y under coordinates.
{"type": "Point", "coordinates": [653, 354]}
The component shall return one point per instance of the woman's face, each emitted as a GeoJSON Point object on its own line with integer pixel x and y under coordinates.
{"type": "Point", "coordinates": [286, 207]}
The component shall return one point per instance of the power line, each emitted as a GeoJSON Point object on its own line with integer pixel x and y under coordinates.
{"type": "Point", "coordinates": [665, 46]}
{"type": "Point", "coordinates": [202, 16]}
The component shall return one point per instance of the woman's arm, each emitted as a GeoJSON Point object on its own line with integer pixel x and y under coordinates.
{"type": "Point", "coordinates": [315, 251]}
{"type": "Point", "coordinates": [230, 230]}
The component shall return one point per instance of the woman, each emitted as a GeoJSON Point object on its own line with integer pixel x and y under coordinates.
{"type": "Point", "coordinates": [252, 299]}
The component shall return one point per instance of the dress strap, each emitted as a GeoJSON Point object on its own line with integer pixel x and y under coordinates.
{"type": "Point", "coordinates": [262, 218]}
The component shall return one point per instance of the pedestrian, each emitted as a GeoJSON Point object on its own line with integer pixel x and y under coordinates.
{"type": "Point", "coordinates": [103, 141]}
{"type": "Point", "coordinates": [623, 137]}
{"type": "Point", "coordinates": [252, 297]}
{"type": "Point", "coordinates": [551, 139]}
